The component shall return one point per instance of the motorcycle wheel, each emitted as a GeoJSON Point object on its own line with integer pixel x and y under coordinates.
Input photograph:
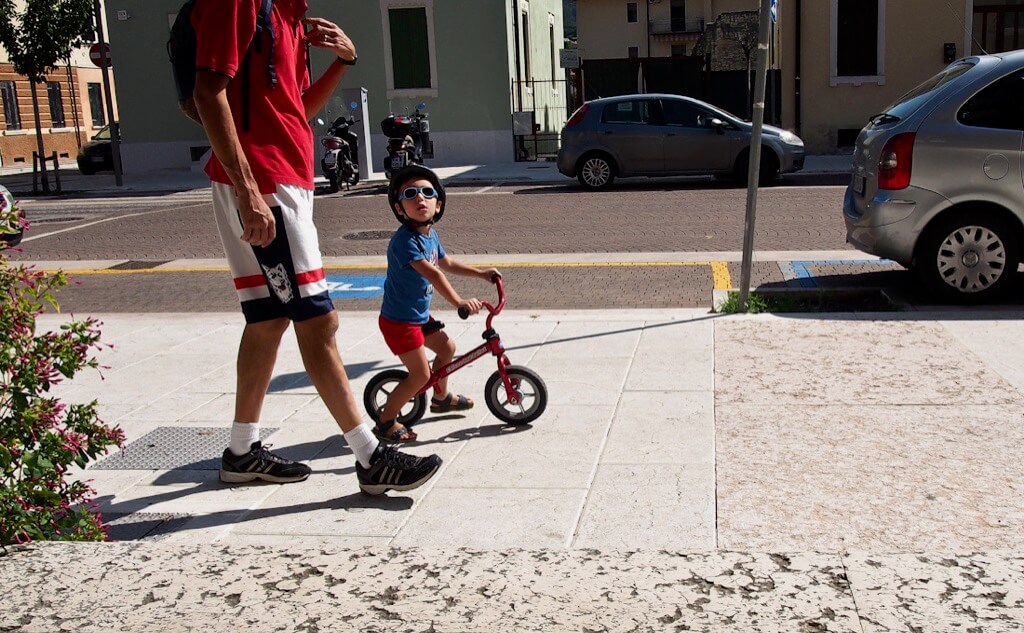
{"type": "Point", "coordinates": [332, 181]}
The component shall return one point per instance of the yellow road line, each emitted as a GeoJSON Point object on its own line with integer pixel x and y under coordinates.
{"type": "Point", "coordinates": [719, 270]}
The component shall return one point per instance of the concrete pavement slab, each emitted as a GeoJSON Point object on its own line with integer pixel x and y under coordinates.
{"type": "Point", "coordinates": [662, 427]}
{"type": "Point", "coordinates": [843, 360]}
{"type": "Point", "coordinates": [877, 478]}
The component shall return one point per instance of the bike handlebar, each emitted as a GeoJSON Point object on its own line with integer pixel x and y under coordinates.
{"type": "Point", "coordinates": [493, 310]}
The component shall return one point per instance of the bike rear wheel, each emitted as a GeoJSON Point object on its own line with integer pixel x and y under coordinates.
{"type": "Point", "coordinates": [380, 388]}
{"type": "Point", "coordinates": [528, 385]}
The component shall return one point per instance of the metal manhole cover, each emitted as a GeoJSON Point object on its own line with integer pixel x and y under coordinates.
{"type": "Point", "coordinates": [174, 448]}
{"type": "Point", "coordinates": [369, 235]}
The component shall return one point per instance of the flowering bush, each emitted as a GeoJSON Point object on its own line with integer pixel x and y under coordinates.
{"type": "Point", "coordinates": [40, 437]}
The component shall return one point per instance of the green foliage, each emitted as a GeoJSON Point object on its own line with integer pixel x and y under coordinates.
{"type": "Point", "coordinates": [755, 304]}
{"type": "Point", "coordinates": [43, 33]}
{"type": "Point", "coordinates": [41, 437]}
{"type": "Point", "coordinates": [811, 301]}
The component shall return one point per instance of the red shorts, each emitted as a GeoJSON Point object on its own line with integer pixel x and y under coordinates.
{"type": "Point", "coordinates": [404, 337]}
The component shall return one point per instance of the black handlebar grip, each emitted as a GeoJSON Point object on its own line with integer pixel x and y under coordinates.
{"type": "Point", "coordinates": [495, 277]}
{"type": "Point", "coordinates": [463, 313]}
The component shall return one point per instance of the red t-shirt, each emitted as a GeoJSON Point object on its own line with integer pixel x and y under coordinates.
{"type": "Point", "coordinates": [279, 142]}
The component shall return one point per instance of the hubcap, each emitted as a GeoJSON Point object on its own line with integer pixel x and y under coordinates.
{"type": "Point", "coordinates": [971, 259]}
{"type": "Point", "coordinates": [596, 172]}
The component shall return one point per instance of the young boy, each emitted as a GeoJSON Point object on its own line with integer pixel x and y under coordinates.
{"type": "Point", "coordinates": [416, 267]}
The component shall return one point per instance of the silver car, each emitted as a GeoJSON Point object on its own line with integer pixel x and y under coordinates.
{"type": "Point", "coordinates": [667, 135]}
{"type": "Point", "coordinates": [937, 181]}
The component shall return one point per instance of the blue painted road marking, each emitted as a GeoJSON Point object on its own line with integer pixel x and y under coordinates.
{"type": "Point", "coordinates": [800, 270]}
{"type": "Point", "coordinates": [355, 286]}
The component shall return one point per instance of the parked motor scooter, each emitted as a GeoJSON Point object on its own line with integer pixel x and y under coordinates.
{"type": "Point", "coordinates": [340, 162]}
{"type": "Point", "coordinates": [408, 140]}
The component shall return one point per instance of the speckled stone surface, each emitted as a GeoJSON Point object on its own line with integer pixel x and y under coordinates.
{"type": "Point", "coordinates": [152, 587]}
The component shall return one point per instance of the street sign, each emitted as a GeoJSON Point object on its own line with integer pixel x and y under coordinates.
{"type": "Point", "coordinates": [775, 11]}
{"type": "Point", "coordinates": [94, 54]}
{"type": "Point", "coordinates": [569, 58]}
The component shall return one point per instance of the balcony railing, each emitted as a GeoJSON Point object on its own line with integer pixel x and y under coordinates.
{"type": "Point", "coordinates": [670, 25]}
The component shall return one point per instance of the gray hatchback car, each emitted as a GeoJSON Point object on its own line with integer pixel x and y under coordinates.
{"type": "Point", "coordinates": [667, 135]}
{"type": "Point", "coordinates": [938, 179]}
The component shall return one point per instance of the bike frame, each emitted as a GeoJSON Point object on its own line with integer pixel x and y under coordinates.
{"type": "Point", "coordinates": [492, 344]}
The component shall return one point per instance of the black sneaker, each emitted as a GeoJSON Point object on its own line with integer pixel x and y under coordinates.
{"type": "Point", "coordinates": [260, 463]}
{"type": "Point", "coordinates": [391, 469]}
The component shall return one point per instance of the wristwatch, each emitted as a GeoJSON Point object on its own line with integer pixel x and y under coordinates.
{"type": "Point", "coordinates": [349, 62]}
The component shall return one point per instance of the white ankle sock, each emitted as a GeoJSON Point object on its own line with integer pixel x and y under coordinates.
{"type": "Point", "coordinates": [243, 434]}
{"type": "Point", "coordinates": [362, 442]}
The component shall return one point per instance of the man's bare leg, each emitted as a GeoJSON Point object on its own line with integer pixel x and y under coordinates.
{"type": "Point", "coordinates": [257, 354]}
{"type": "Point", "coordinates": [323, 364]}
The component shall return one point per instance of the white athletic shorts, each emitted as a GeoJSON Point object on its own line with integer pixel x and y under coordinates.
{"type": "Point", "coordinates": [285, 279]}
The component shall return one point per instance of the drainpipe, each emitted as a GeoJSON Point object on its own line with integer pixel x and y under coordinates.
{"type": "Point", "coordinates": [796, 82]}
{"type": "Point", "coordinates": [648, 5]}
{"type": "Point", "coordinates": [515, 45]}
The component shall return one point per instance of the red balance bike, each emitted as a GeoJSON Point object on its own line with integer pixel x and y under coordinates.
{"type": "Point", "coordinates": [515, 395]}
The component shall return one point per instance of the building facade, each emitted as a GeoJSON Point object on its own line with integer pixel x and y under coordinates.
{"type": "Point", "coordinates": [838, 61]}
{"type": "Point", "coordinates": [459, 58]}
{"type": "Point", "coordinates": [71, 110]}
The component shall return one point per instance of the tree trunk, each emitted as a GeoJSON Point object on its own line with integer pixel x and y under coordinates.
{"type": "Point", "coordinates": [39, 135]}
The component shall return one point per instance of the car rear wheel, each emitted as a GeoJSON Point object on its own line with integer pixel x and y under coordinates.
{"type": "Point", "coordinates": [968, 258]}
{"type": "Point", "coordinates": [596, 171]}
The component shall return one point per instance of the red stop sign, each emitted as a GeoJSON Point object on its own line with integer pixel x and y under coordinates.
{"type": "Point", "coordinates": [94, 54]}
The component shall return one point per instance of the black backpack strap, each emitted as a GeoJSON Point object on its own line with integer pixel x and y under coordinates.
{"type": "Point", "coordinates": [263, 23]}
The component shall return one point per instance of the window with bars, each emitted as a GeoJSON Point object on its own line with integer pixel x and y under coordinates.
{"type": "Point", "coordinates": [410, 50]}
{"type": "Point", "coordinates": [998, 28]}
{"type": "Point", "coordinates": [53, 94]}
{"type": "Point", "coordinates": [12, 115]}
{"type": "Point", "coordinates": [96, 105]}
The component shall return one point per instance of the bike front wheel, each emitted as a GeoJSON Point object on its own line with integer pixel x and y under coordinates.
{"type": "Point", "coordinates": [530, 389]}
{"type": "Point", "coordinates": [380, 388]}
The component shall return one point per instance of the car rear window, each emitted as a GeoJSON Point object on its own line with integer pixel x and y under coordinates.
{"type": "Point", "coordinates": [637, 112]}
{"type": "Point", "coordinates": [910, 102]}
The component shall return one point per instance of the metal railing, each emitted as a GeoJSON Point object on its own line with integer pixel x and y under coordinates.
{"type": "Point", "coordinates": [663, 26]}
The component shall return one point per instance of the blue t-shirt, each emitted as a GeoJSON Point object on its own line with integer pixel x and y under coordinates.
{"type": "Point", "coordinates": [407, 293]}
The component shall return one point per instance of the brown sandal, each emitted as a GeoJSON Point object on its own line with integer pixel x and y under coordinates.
{"type": "Point", "coordinates": [393, 433]}
{"type": "Point", "coordinates": [461, 403]}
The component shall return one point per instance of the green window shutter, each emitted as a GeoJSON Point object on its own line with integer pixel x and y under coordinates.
{"type": "Point", "coordinates": [410, 54]}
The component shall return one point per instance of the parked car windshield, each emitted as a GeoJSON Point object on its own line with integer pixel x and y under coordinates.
{"type": "Point", "coordinates": [910, 102]}
{"type": "Point", "coordinates": [103, 134]}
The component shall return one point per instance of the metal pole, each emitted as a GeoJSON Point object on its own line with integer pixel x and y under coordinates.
{"type": "Point", "coordinates": [754, 166]}
{"type": "Point", "coordinates": [115, 132]}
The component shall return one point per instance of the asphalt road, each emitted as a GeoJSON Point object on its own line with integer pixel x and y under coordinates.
{"type": "Point", "coordinates": [578, 241]}
{"type": "Point", "coordinates": [670, 217]}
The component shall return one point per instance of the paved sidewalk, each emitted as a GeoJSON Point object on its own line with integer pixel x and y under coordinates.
{"type": "Point", "coordinates": [19, 180]}
{"type": "Point", "coordinates": [693, 470]}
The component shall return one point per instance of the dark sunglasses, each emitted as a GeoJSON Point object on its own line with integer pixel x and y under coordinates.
{"type": "Point", "coordinates": [410, 192]}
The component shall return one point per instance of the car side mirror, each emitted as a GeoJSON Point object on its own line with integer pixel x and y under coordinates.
{"type": "Point", "coordinates": [718, 124]}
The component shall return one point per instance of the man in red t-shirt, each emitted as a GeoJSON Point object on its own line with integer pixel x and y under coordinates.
{"type": "Point", "coordinates": [255, 99]}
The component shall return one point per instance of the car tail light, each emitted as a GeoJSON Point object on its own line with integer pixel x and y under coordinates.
{"type": "Point", "coordinates": [896, 161]}
{"type": "Point", "coordinates": [578, 115]}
